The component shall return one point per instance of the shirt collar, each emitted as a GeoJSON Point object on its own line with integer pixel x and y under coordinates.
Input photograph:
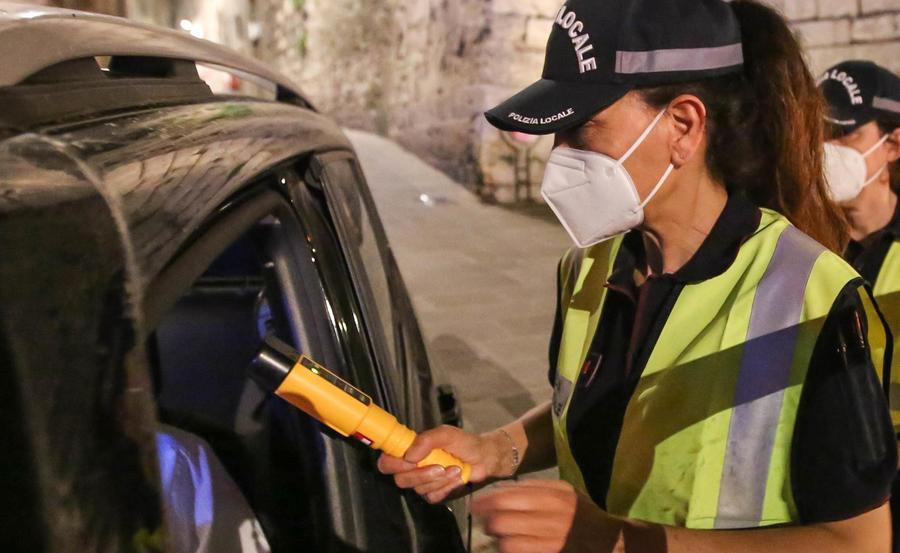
{"type": "Point", "coordinates": [737, 222]}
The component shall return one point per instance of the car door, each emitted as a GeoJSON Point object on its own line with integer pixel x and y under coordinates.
{"type": "Point", "coordinates": [313, 491]}
{"type": "Point", "coordinates": [393, 333]}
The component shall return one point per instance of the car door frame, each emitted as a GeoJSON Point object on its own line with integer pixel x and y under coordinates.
{"type": "Point", "coordinates": [439, 527]}
{"type": "Point", "coordinates": [359, 500]}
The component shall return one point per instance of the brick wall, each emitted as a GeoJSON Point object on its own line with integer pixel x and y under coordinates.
{"type": "Point", "coordinates": [837, 30]}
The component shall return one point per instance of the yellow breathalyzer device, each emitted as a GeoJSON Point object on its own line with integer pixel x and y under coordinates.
{"type": "Point", "coordinates": [335, 403]}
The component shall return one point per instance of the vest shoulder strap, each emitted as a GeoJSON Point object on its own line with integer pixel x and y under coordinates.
{"type": "Point", "coordinates": [888, 279]}
{"type": "Point", "coordinates": [574, 260]}
{"type": "Point", "coordinates": [569, 266]}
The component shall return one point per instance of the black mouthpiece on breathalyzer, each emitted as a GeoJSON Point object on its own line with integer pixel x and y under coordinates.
{"type": "Point", "coordinates": [273, 363]}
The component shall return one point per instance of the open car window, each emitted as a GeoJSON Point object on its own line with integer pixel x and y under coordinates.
{"type": "Point", "coordinates": [230, 289]}
{"type": "Point", "coordinates": [264, 266]}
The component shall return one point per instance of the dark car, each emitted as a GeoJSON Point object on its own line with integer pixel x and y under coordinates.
{"type": "Point", "coordinates": [152, 234]}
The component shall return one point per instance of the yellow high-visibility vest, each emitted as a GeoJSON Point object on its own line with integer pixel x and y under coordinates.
{"type": "Point", "coordinates": [886, 289]}
{"type": "Point", "coordinates": [706, 437]}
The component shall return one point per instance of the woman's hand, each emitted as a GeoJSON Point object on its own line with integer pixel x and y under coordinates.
{"type": "Point", "coordinates": [540, 516]}
{"type": "Point", "coordinates": [537, 516]}
{"type": "Point", "coordinates": [488, 454]}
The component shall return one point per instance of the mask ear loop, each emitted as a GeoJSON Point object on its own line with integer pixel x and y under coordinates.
{"type": "Point", "coordinates": [876, 145]}
{"type": "Point", "coordinates": [641, 138]}
{"type": "Point", "coordinates": [875, 176]}
{"type": "Point", "coordinates": [662, 180]}
{"type": "Point", "coordinates": [883, 167]}
{"type": "Point", "coordinates": [635, 146]}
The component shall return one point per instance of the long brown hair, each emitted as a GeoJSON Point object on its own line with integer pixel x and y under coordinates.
{"type": "Point", "coordinates": [765, 126]}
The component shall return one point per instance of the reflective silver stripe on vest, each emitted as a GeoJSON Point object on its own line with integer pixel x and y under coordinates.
{"type": "Point", "coordinates": [886, 104]}
{"type": "Point", "coordinates": [764, 374]}
{"type": "Point", "coordinates": [679, 59]}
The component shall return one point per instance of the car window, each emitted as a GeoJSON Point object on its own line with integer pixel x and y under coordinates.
{"type": "Point", "coordinates": [215, 329]}
{"type": "Point", "coordinates": [365, 250]}
{"type": "Point", "coordinates": [280, 272]}
{"type": "Point", "coordinates": [200, 351]}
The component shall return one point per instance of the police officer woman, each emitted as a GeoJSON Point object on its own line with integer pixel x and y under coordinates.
{"type": "Point", "coordinates": [711, 359]}
{"type": "Point", "coordinates": [863, 175]}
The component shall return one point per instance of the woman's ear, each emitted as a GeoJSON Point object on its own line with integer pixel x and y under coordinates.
{"type": "Point", "coordinates": [892, 145]}
{"type": "Point", "coordinates": [689, 125]}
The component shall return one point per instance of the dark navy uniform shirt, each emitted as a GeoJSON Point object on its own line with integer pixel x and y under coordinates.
{"type": "Point", "coordinates": [868, 255]}
{"type": "Point", "coordinates": [843, 456]}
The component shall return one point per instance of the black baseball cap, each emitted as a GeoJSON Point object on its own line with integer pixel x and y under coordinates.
{"type": "Point", "coordinates": [600, 49]}
{"type": "Point", "coordinates": [859, 92]}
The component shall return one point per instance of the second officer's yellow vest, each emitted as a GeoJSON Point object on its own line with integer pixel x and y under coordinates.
{"type": "Point", "coordinates": [706, 438]}
{"type": "Point", "coordinates": [887, 293]}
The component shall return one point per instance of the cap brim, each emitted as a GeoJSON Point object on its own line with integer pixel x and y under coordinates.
{"type": "Point", "coordinates": [548, 107]}
{"type": "Point", "coordinates": [845, 121]}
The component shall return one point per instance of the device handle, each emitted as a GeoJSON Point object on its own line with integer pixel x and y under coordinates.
{"type": "Point", "coordinates": [444, 459]}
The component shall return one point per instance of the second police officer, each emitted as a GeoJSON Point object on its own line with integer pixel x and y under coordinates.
{"type": "Point", "coordinates": [864, 176]}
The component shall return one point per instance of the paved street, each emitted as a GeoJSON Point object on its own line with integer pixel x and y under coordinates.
{"type": "Point", "coordinates": [482, 278]}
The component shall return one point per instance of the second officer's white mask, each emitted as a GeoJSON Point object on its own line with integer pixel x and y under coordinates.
{"type": "Point", "coordinates": [593, 195]}
{"type": "Point", "coordinates": [846, 171]}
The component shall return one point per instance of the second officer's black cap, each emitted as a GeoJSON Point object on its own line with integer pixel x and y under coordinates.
{"type": "Point", "coordinates": [600, 49]}
{"type": "Point", "coordinates": [859, 92]}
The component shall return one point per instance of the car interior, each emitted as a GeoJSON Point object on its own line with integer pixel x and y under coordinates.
{"type": "Point", "coordinates": [200, 352]}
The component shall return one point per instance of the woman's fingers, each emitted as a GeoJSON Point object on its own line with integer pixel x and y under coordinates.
{"type": "Point", "coordinates": [528, 516]}
{"type": "Point", "coordinates": [393, 465]}
{"type": "Point", "coordinates": [449, 481]}
{"type": "Point", "coordinates": [416, 477]}
{"type": "Point", "coordinates": [518, 523]}
{"type": "Point", "coordinates": [419, 476]}
{"type": "Point", "coordinates": [517, 497]}
{"type": "Point", "coordinates": [559, 485]}
{"type": "Point", "coordinates": [436, 483]}
{"type": "Point", "coordinates": [521, 544]}
{"type": "Point", "coordinates": [441, 494]}
{"type": "Point", "coordinates": [449, 438]}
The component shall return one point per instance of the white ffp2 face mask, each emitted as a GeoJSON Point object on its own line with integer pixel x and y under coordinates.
{"type": "Point", "coordinates": [846, 171]}
{"type": "Point", "coordinates": [592, 194]}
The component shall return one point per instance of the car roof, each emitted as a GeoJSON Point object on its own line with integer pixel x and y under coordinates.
{"type": "Point", "coordinates": [91, 211]}
{"type": "Point", "coordinates": [158, 170]}
{"type": "Point", "coordinates": [33, 38]}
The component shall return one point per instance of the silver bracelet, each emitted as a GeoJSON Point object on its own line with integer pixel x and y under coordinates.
{"type": "Point", "coordinates": [515, 450]}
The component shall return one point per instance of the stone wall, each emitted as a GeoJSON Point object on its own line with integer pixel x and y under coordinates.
{"type": "Point", "coordinates": [109, 7]}
{"type": "Point", "coordinates": [158, 12]}
{"type": "Point", "coordinates": [418, 72]}
{"type": "Point", "coordinates": [407, 70]}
